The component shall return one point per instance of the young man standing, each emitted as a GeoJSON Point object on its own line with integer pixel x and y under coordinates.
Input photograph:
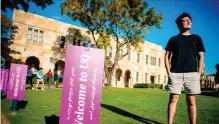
{"type": "Point", "coordinates": [185, 51]}
{"type": "Point", "coordinates": [40, 78]}
{"type": "Point", "coordinates": [49, 76]}
{"type": "Point", "coordinates": [30, 77]}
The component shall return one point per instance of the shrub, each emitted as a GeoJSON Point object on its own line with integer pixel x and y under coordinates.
{"type": "Point", "coordinates": [147, 85]}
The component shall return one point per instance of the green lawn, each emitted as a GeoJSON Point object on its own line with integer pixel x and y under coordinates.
{"type": "Point", "coordinates": [119, 106]}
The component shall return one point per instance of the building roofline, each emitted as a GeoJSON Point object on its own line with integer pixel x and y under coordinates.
{"type": "Point", "coordinates": [51, 19]}
{"type": "Point", "coordinates": [78, 27]}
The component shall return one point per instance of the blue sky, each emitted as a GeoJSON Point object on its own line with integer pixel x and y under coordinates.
{"type": "Point", "coordinates": [205, 22]}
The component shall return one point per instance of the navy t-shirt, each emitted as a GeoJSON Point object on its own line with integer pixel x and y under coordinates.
{"type": "Point", "coordinates": [184, 50]}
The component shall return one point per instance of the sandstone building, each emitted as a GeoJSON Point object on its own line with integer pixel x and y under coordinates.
{"type": "Point", "coordinates": [36, 36]}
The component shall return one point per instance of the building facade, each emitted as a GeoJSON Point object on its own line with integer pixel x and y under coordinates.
{"type": "Point", "coordinates": [36, 36]}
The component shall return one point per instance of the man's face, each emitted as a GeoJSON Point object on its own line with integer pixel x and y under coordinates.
{"type": "Point", "coordinates": [186, 23]}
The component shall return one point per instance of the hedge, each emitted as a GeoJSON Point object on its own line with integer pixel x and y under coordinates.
{"type": "Point", "coordinates": [147, 85]}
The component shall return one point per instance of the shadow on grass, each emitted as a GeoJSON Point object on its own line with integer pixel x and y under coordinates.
{"type": "Point", "coordinates": [128, 114]}
{"type": "Point", "coordinates": [3, 95]}
{"type": "Point", "coordinates": [207, 93]}
{"type": "Point", "coordinates": [210, 93]}
{"type": "Point", "coordinates": [53, 119]}
{"type": "Point", "coordinates": [22, 104]}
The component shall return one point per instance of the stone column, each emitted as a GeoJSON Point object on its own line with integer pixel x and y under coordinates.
{"type": "Point", "coordinates": [130, 82]}
{"type": "Point", "coordinates": [122, 83]}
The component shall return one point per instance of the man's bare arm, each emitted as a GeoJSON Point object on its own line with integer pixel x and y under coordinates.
{"type": "Point", "coordinates": [201, 62]}
{"type": "Point", "coordinates": [166, 60]}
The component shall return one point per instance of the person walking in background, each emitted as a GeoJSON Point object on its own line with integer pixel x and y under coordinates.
{"type": "Point", "coordinates": [187, 58]}
{"type": "Point", "coordinates": [55, 78]}
{"type": "Point", "coordinates": [49, 76]}
{"type": "Point", "coordinates": [40, 78]}
{"type": "Point", "coordinates": [60, 76]}
{"type": "Point", "coordinates": [30, 77]}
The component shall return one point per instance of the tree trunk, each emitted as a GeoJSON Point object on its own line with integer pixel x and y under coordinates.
{"type": "Point", "coordinates": [106, 77]}
{"type": "Point", "coordinates": [111, 71]}
{"type": "Point", "coordinates": [109, 79]}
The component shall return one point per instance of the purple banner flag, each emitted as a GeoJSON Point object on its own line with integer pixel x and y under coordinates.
{"type": "Point", "coordinates": [17, 81]}
{"type": "Point", "coordinates": [82, 88]}
{"type": "Point", "coordinates": [4, 79]}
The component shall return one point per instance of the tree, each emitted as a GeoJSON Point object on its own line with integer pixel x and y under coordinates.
{"type": "Point", "coordinates": [217, 71]}
{"type": "Point", "coordinates": [217, 66]}
{"type": "Point", "coordinates": [11, 4]}
{"type": "Point", "coordinates": [125, 20]}
{"type": "Point", "coordinates": [5, 25]}
{"type": "Point", "coordinates": [73, 37]}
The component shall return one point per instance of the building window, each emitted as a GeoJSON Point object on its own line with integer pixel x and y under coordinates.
{"type": "Point", "coordinates": [158, 79]}
{"type": "Point", "coordinates": [146, 77]}
{"type": "Point", "coordinates": [152, 78]}
{"type": "Point", "coordinates": [159, 62]}
{"type": "Point", "coordinates": [138, 57]}
{"type": "Point", "coordinates": [41, 37]}
{"type": "Point", "coordinates": [146, 60]}
{"type": "Point", "coordinates": [29, 34]}
{"type": "Point", "coordinates": [129, 56]}
{"type": "Point", "coordinates": [136, 76]}
{"type": "Point", "coordinates": [153, 60]}
{"type": "Point", "coordinates": [35, 35]}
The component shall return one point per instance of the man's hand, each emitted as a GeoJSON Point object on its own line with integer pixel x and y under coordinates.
{"type": "Point", "coordinates": [201, 63]}
{"type": "Point", "coordinates": [201, 71]}
{"type": "Point", "coordinates": [166, 60]}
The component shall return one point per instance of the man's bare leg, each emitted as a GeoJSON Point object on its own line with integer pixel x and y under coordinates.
{"type": "Point", "coordinates": [172, 107]}
{"type": "Point", "coordinates": [191, 105]}
{"type": "Point", "coordinates": [42, 85]}
{"type": "Point", "coordinates": [37, 84]}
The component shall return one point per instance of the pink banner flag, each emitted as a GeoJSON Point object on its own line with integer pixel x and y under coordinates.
{"type": "Point", "coordinates": [82, 88]}
{"type": "Point", "coordinates": [17, 81]}
{"type": "Point", "coordinates": [4, 79]}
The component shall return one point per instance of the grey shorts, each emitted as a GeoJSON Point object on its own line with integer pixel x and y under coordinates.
{"type": "Point", "coordinates": [190, 81]}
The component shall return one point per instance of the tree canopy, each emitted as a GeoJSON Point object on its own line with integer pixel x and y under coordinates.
{"type": "Point", "coordinates": [17, 4]}
{"type": "Point", "coordinates": [11, 4]}
{"type": "Point", "coordinates": [5, 25]}
{"type": "Point", "coordinates": [126, 21]}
